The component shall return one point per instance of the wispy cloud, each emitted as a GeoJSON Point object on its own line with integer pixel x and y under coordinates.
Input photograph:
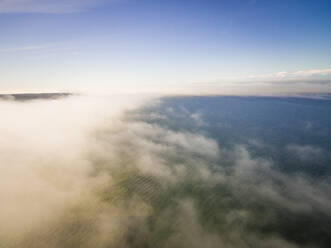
{"type": "Point", "coordinates": [24, 48]}
{"type": "Point", "coordinates": [35, 47]}
{"type": "Point", "coordinates": [293, 75]}
{"type": "Point", "coordinates": [48, 6]}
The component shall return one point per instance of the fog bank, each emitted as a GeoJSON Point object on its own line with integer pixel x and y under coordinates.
{"type": "Point", "coordinates": [84, 171]}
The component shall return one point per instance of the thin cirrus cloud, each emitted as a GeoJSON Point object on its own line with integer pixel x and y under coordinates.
{"type": "Point", "coordinates": [24, 48]}
{"type": "Point", "coordinates": [34, 47]}
{"type": "Point", "coordinates": [48, 6]}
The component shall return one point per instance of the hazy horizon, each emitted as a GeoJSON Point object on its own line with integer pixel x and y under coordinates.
{"type": "Point", "coordinates": [207, 47]}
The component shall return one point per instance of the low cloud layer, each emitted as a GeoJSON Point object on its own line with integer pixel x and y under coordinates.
{"type": "Point", "coordinates": [91, 172]}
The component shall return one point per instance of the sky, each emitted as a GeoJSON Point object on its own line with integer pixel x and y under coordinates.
{"type": "Point", "coordinates": [48, 45]}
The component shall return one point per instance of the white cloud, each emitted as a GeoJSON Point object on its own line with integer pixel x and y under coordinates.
{"type": "Point", "coordinates": [321, 72]}
{"type": "Point", "coordinates": [293, 75]}
{"type": "Point", "coordinates": [197, 117]}
{"type": "Point", "coordinates": [47, 6]}
{"type": "Point", "coordinates": [294, 192]}
{"type": "Point", "coordinates": [80, 172]}
{"type": "Point", "coordinates": [305, 152]}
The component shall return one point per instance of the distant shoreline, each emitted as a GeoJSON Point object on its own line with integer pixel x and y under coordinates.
{"type": "Point", "coordinates": [33, 96]}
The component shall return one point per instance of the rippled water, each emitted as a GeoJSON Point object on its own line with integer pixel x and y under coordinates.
{"type": "Point", "coordinates": [274, 167]}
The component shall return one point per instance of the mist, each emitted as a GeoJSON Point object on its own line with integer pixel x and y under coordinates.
{"type": "Point", "coordinates": [115, 171]}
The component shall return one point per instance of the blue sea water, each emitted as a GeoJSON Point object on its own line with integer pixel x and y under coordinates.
{"type": "Point", "coordinates": [272, 127]}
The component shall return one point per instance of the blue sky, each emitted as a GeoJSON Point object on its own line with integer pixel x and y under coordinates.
{"type": "Point", "coordinates": [68, 44]}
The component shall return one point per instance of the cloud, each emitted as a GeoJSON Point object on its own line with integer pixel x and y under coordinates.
{"type": "Point", "coordinates": [50, 172]}
{"type": "Point", "coordinates": [65, 161]}
{"type": "Point", "coordinates": [305, 152]}
{"type": "Point", "coordinates": [34, 47]}
{"type": "Point", "coordinates": [86, 171]}
{"type": "Point", "coordinates": [197, 117]}
{"type": "Point", "coordinates": [24, 48]}
{"type": "Point", "coordinates": [308, 73]}
{"type": "Point", "coordinates": [48, 6]}
{"type": "Point", "coordinates": [303, 74]}
{"type": "Point", "coordinates": [297, 193]}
